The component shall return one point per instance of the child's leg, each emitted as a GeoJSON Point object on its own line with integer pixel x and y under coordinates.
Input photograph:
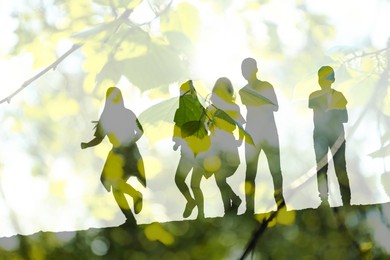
{"type": "Point", "coordinates": [124, 187]}
{"type": "Point", "coordinates": [197, 175]}
{"type": "Point", "coordinates": [230, 199]}
{"type": "Point", "coordinates": [124, 206]}
{"type": "Point", "coordinates": [225, 190]}
{"type": "Point", "coordinates": [183, 169]}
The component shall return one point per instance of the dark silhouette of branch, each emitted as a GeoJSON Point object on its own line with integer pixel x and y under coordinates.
{"type": "Point", "coordinates": [260, 231]}
{"type": "Point", "coordinates": [40, 74]}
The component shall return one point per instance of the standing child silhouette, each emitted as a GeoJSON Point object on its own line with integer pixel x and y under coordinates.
{"type": "Point", "coordinates": [260, 100]}
{"type": "Point", "coordinates": [329, 115]}
{"type": "Point", "coordinates": [123, 129]}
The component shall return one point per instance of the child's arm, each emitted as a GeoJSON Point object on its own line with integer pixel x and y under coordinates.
{"type": "Point", "coordinates": [139, 131]}
{"type": "Point", "coordinates": [93, 142]}
{"type": "Point", "coordinates": [98, 137]}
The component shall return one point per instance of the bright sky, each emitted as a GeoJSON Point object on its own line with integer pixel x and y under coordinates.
{"type": "Point", "coordinates": [224, 43]}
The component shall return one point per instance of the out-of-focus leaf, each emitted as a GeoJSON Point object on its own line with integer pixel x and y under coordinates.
{"type": "Point", "coordinates": [185, 18]}
{"type": "Point", "coordinates": [160, 65]}
{"type": "Point", "coordinates": [357, 89]}
{"type": "Point", "coordinates": [180, 42]}
{"type": "Point", "coordinates": [386, 137]}
{"type": "Point", "coordinates": [112, 70]}
{"type": "Point", "coordinates": [382, 152]}
{"type": "Point", "coordinates": [156, 232]}
{"type": "Point", "coordinates": [368, 64]}
{"type": "Point", "coordinates": [386, 104]}
{"type": "Point", "coordinates": [164, 111]}
{"type": "Point", "coordinates": [157, 120]}
{"type": "Point", "coordinates": [255, 97]}
{"type": "Point", "coordinates": [273, 34]}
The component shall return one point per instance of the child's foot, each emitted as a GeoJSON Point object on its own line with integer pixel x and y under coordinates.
{"type": "Point", "coordinates": [236, 202]}
{"type": "Point", "coordinates": [200, 216]}
{"type": "Point", "coordinates": [189, 207]}
{"type": "Point", "coordinates": [137, 203]}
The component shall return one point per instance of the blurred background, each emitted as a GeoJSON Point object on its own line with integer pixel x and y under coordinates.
{"type": "Point", "coordinates": [148, 48]}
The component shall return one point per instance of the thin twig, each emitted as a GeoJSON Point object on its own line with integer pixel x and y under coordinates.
{"type": "Point", "coordinates": [157, 14]}
{"type": "Point", "coordinates": [365, 54]}
{"type": "Point", "coordinates": [40, 74]}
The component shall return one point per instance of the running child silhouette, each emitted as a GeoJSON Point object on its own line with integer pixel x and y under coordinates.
{"type": "Point", "coordinates": [123, 130]}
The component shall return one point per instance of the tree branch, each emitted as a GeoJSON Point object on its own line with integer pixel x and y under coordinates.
{"type": "Point", "coordinates": [157, 14]}
{"type": "Point", "coordinates": [40, 74]}
{"type": "Point", "coordinates": [365, 54]}
{"type": "Point", "coordinates": [123, 16]}
{"type": "Point", "coordinates": [260, 231]}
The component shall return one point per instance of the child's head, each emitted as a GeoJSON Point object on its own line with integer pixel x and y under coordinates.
{"type": "Point", "coordinates": [223, 89]}
{"type": "Point", "coordinates": [249, 68]}
{"type": "Point", "coordinates": [326, 77]}
{"type": "Point", "coordinates": [114, 96]}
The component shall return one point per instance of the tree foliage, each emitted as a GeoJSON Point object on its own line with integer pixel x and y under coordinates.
{"type": "Point", "coordinates": [148, 47]}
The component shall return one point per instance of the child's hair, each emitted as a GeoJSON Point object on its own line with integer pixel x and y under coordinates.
{"type": "Point", "coordinates": [223, 88]}
{"type": "Point", "coordinates": [118, 94]}
{"type": "Point", "coordinates": [326, 73]}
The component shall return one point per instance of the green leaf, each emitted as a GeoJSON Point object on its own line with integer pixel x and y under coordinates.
{"type": "Point", "coordinates": [223, 115]}
{"type": "Point", "coordinates": [190, 109]}
{"type": "Point", "coordinates": [193, 128]}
